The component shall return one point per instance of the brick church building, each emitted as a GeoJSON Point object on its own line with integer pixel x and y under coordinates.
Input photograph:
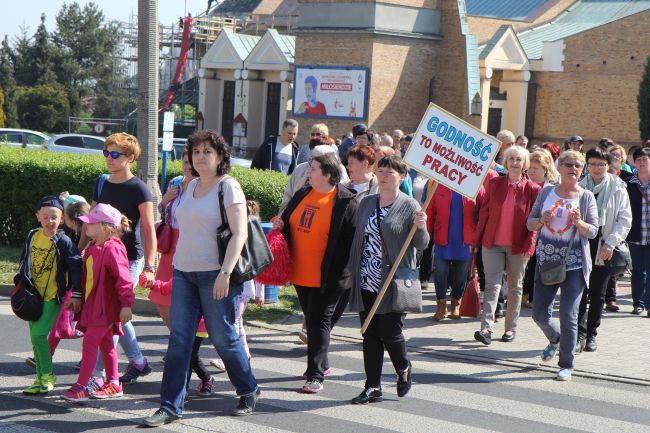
{"type": "Point", "coordinates": [544, 68]}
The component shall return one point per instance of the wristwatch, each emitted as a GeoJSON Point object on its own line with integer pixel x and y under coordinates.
{"type": "Point", "coordinates": [226, 273]}
{"type": "Point", "coordinates": [149, 268]}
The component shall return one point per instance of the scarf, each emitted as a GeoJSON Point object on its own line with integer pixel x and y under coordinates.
{"type": "Point", "coordinates": [603, 191]}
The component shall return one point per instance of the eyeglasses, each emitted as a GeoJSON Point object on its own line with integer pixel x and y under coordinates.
{"type": "Point", "coordinates": [598, 164]}
{"type": "Point", "coordinates": [572, 165]}
{"type": "Point", "coordinates": [113, 154]}
{"type": "Point", "coordinates": [316, 134]}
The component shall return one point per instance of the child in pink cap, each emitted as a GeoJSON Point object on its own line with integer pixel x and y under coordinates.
{"type": "Point", "coordinates": [105, 300]}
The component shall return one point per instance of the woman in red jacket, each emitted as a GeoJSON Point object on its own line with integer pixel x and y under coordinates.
{"type": "Point", "coordinates": [507, 243]}
{"type": "Point", "coordinates": [452, 243]}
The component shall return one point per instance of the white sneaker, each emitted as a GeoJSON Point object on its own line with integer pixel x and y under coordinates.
{"type": "Point", "coordinates": [563, 375]}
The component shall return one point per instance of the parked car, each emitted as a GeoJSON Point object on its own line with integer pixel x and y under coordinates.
{"type": "Point", "coordinates": [23, 138]}
{"type": "Point", "coordinates": [76, 143]}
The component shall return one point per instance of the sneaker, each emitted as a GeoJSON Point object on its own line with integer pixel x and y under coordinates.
{"type": "Point", "coordinates": [484, 337]}
{"type": "Point", "coordinates": [161, 417]}
{"type": "Point", "coordinates": [218, 364]}
{"type": "Point", "coordinates": [30, 361]}
{"type": "Point", "coordinates": [637, 311]}
{"type": "Point", "coordinates": [109, 390]}
{"type": "Point", "coordinates": [206, 387]}
{"type": "Point", "coordinates": [369, 395]}
{"type": "Point", "coordinates": [563, 375]}
{"type": "Point", "coordinates": [550, 351]}
{"type": "Point", "coordinates": [404, 381]}
{"type": "Point", "coordinates": [133, 372]}
{"type": "Point", "coordinates": [302, 336]}
{"type": "Point", "coordinates": [95, 384]}
{"type": "Point", "coordinates": [246, 404]}
{"type": "Point", "coordinates": [326, 372]}
{"type": "Point", "coordinates": [312, 386]}
{"type": "Point", "coordinates": [76, 393]}
{"type": "Point", "coordinates": [48, 381]}
{"type": "Point", "coordinates": [580, 345]}
{"type": "Point", "coordinates": [34, 389]}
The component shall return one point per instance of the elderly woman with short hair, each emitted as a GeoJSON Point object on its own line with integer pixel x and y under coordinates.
{"type": "Point", "coordinates": [566, 217]}
{"type": "Point", "coordinates": [319, 131]}
{"type": "Point", "coordinates": [506, 241]}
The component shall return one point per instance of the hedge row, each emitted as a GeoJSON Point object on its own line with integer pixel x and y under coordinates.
{"type": "Point", "coordinates": [26, 176]}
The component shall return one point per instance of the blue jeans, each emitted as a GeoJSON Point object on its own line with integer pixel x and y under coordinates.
{"type": "Point", "coordinates": [567, 332]}
{"type": "Point", "coordinates": [442, 269]}
{"type": "Point", "coordinates": [128, 341]}
{"type": "Point", "coordinates": [191, 297]}
{"type": "Point", "coordinates": [640, 281]}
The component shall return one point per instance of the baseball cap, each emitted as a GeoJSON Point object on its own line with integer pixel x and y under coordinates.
{"type": "Point", "coordinates": [576, 138]}
{"type": "Point", "coordinates": [103, 213]}
{"type": "Point", "coordinates": [50, 201]}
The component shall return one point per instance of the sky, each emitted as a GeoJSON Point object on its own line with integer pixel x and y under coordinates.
{"type": "Point", "coordinates": [27, 13]}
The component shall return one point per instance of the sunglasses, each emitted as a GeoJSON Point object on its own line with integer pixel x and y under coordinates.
{"type": "Point", "coordinates": [572, 165]}
{"type": "Point", "coordinates": [113, 154]}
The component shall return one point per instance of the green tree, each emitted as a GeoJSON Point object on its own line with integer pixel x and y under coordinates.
{"type": "Point", "coordinates": [644, 103]}
{"type": "Point", "coordinates": [21, 59]}
{"type": "Point", "coordinates": [2, 112]}
{"type": "Point", "coordinates": [87, 45]}
{"type": "Point", "coordinates": [8, 84]}
{"type": "Point", "coordinates": [43, 54]}
{"type": "Point", "coordinates": [42, 108]}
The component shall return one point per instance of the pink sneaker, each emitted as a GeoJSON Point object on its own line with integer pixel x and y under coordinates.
{"type": "Point", "coordinates": [109, 390]}
{"type": "Point", "coordinates": [76, 393]}
{"type": "Point", "coordinates": [327, 372]}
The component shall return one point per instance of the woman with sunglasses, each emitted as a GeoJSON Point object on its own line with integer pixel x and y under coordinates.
{"type": "Point", "coordinates": [614, 222]}
{"type": "Point", "coordinates": [131, 196]}
{"type": "Point", "coordinates": [565, 217]}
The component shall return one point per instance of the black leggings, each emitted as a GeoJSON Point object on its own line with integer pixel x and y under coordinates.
{"type": "Point", "coordinates": [196, 363]}
{"type": "Point", "coordinates": [385, 331]}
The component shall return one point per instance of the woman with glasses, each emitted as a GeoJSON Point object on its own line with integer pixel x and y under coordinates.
{"type": "Point", "coordinates": [318, 131]}
{"type": "Point", "coordinates": [614, 222]}
{"type": "Point", "coordinates": [565, 217]}
{"type": "Point", "coordinates": [131, 196]}
{"type": "Point", "coordinates": [619, 166]}
{"type": "Point", "coordinates": [507, 243]}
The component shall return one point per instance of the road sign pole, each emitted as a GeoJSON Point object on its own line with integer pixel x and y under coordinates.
{"type": "Point", "coordinates": [163, 176]}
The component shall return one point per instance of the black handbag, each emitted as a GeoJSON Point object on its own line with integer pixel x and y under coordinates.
{"type": "Point", "coordinates": [26, 301]}
{"type": "Point", "coordinates": [256, 254]}
{"type": "Point", "coordinates": [621, 260]}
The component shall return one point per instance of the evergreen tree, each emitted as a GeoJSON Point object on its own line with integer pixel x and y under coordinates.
{"type": "Point", "coordinates": [21, 59]}
{"type": "Point", "coordinates": [644, 103]}
{"type": "Point", "coordinates": [8, 85]}
{"type": "Point", "coordinates": [2, 112]}
{"type": "Point", "coordinates": [42, 55]}
{"type": "Point", "coordinates": [42, 108]}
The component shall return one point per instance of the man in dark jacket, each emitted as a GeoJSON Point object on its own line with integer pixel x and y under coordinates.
{"type": "Point", "coordinates": [279, 153]}
{"type": "Point", "coordinates": [349, 142]}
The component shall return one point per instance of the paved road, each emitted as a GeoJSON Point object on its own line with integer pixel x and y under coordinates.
{"type": "Point", "coordinates": [448, 395]}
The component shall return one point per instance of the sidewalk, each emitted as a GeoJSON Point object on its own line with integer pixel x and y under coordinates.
{"type": "Point", "coordinates": [622, 356]}
{"type": "Point", "coordinates": [623, 350]}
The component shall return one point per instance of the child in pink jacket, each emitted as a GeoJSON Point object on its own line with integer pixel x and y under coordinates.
{"type": "Point", "coordinates": [105, 301]}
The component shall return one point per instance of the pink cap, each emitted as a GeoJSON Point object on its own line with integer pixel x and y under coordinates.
{"type": "Point", "coordinates": [103, 213]}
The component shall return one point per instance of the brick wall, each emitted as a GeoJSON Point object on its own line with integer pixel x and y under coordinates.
{"type": "Point", "coordinates": [597, 98]}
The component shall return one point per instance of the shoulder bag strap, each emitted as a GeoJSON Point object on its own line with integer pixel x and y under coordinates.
{"type": "Point", "coordinates": [222, 209]}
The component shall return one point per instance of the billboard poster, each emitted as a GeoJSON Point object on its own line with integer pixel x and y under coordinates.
{"type": "Point", "coordinates": [330, 92]}
{"type": "Point", "coordinates": [451, 151]}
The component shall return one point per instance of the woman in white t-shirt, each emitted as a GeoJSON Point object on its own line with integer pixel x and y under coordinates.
{"type": "Point", "coordinates": [201, 284]}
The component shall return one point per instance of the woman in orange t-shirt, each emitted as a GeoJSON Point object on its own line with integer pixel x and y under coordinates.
{"type": "Point", "coordinates": [319, 224]}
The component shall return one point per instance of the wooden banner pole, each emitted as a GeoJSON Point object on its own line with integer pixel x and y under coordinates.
{"type": "Point", "coordinates": [397, 262]}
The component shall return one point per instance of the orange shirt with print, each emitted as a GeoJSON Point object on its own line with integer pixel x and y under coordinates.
{"type": "Point", "coordinates": [310, 228]}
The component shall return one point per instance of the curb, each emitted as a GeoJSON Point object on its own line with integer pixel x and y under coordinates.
{"type": "Point", "coordinates": [143, 307]}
